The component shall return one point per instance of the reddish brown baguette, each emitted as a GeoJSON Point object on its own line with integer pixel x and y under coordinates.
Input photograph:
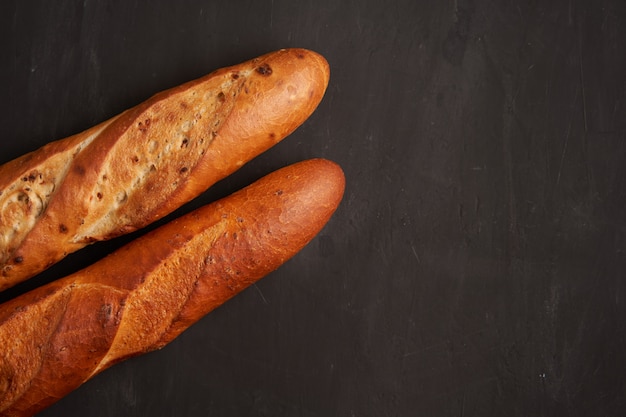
{"type": "Point", "coordinates": [142, 296]}
{"type": "Point", "coordinates": [137, 167]}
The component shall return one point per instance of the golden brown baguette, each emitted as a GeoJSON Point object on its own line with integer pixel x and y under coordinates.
{"type": "Point", "coordinates": [140, 297]}
{"type": "Point", "coordinates": [137, 167]}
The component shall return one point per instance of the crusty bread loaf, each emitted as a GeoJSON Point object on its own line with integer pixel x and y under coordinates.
{"type": "Point", "coordinates": [140, 297]}
{"type": "Point", "coordinates": [141, 165]}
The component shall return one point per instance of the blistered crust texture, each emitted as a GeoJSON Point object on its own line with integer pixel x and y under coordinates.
{"type": "Point", "coordinates": [138, 167]}
{"type": "Point", "coordinates": [141, 297]}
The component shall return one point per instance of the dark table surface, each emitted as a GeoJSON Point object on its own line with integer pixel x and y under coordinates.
{"type": "Point", "coordinates": [476, 265]}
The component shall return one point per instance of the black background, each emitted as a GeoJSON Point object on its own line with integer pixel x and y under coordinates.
{"type": "Point", "coordinates": [476, 264]}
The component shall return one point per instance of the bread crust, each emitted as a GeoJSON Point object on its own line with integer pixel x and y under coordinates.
{"type": "Point", "coordinates": [139, 166]}
{"type": "Point", "coordinates": [142, 296]}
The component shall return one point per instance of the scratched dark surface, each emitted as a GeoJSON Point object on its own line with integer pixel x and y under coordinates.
{"type": "Point", "coordinates": [476, 266]}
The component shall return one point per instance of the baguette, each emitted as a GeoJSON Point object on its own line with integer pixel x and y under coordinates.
{"type": "Point", "coordinates": [141, 165]}
{"type": "Point", "coordinates": [143, 295]}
